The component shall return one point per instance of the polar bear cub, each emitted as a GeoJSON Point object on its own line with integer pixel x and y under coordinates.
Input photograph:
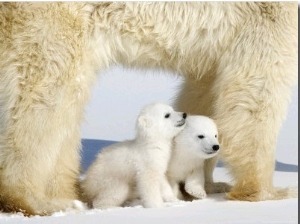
{"type": "Point", "coordinates": [197, 142]}
{"type": "Point", "coordinates": [135, 169]}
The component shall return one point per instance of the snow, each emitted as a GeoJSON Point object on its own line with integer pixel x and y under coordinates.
{"type": "Point", "coordinates": [123, 95]}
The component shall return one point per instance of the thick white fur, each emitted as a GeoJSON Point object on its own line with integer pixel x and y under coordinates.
{"type": "Point", "coordinates": [239, 61]}
{"type": "Point", "coordinates": [135, 169]}
{"type": "Point", "coordinates": [192, 146]}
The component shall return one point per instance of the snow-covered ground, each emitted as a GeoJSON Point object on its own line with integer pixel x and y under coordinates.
{"type": "Point", "coordinates": [111, 114]}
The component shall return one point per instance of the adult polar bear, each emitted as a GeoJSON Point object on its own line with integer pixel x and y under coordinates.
{"type": "Point", "coordinates": [239, 60]}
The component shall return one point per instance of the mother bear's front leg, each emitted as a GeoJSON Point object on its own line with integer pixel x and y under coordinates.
{"type": "Point", "coordinates": [44, 85]}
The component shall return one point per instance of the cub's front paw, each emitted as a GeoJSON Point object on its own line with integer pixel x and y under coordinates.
{"type": "Point", "coordinates": [171, 199]}
{"type": "Point", "coordinates": [153, 204]}
{"type": "Point", "coordinates": [196, 191]}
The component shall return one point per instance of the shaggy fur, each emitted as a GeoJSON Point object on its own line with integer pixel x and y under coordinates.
{"type": "Point", "coordinates": [135, 169]}
{"type": "Point", "coordinates": [239, 60]}
{"type": "Point", "coordinates": [192, 146]}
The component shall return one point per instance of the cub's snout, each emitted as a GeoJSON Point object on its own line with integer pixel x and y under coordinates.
{"type": "Point", "coordinates": [216, 147]}
{"type": "Point", "coordinates": [181, 122]}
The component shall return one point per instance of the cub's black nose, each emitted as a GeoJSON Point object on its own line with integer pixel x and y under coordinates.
{"type": "Point", "coordinates": [216, 147]}
{"type": "Point", "coordinates": [184, 115]}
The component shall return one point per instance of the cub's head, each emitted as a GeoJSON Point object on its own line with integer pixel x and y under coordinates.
{"type": "Point", "coordinates": [160, 120]}
{"type": "Point", "coordinates": [199, 137]}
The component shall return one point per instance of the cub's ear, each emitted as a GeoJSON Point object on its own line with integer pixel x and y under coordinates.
{"type": "Point", "coordinates": [144, 122]}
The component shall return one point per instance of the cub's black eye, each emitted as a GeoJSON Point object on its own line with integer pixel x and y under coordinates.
{"type": "Point", "coordinates": [200, 136]}
{"type": "Point", "coordinates": [167, 115]}
{"type": "Point", "coordinates": [216, 136]}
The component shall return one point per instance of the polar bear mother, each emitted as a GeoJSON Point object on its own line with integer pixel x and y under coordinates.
{"type": "Point", "coordinates": [239, 61]}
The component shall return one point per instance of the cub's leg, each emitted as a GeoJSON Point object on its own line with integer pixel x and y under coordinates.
{"type": "Point", "coordinates": [167, 192]}
{"type": "Point", "coordinates": [194, 184]}
{"type": "Point", "coordinates": [114, 195]}
{"type": "Point", "coordinates": [149, 188]}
